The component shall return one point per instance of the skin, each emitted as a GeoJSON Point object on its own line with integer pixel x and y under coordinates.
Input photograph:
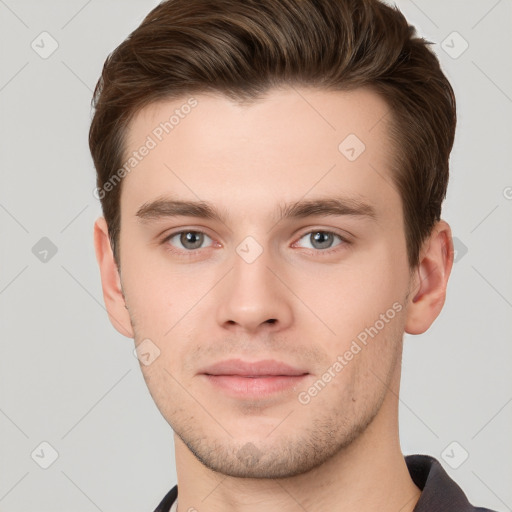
{"type": "Point", "coordinates": [341, 450]}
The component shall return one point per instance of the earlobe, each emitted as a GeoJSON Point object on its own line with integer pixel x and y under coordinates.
{"type": "Point", "coordinates": [430, 280]}
{"type": "Point", "coordinates": [110, 280]}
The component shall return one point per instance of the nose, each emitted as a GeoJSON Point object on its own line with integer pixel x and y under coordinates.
{"type": "Point", "coordinates": [253, 297]}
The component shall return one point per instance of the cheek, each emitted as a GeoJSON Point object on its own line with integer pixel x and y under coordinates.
{"type": "Point", "coordinates": [162, 385]}
{"type": "Point", "coordinates": [347, 298]}
{"type": "Point", "coordinates": [158, 293]}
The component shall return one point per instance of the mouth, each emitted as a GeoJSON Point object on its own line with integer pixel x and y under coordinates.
{"type": "Point", "coordinates": [253, 379]}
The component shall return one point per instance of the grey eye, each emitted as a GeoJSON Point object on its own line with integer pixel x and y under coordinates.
{"type": "Point", "coordinates": [189, 240]}
{"type": "Point", "coordinates": [321, 239]}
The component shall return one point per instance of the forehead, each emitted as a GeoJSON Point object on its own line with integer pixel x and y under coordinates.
{"type": "Point", "coordinates": [286, 145]}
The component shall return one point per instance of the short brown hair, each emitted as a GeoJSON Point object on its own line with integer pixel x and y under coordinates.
{"type": "Point", "coordinates": [243, 49]}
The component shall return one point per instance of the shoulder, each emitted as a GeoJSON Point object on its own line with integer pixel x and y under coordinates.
{"type": "Point", "coordinates": [439, 491]}
{"type": "Point", "coordinates": [168, 500]}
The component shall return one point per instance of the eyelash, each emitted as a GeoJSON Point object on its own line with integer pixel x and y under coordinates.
{"type": "Point", "coordinates": [193, 252]}
{"type": "Point", "coordinates": [343, 242]}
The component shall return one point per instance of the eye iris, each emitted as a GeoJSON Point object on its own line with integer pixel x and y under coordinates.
{"type": "Point", "coordinates": [321, 239]}
{"type": "Point", "coordinates": [192, 239]}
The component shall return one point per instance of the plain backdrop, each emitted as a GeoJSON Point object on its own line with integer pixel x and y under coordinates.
{"type": "Point", "coordinates": [70, 381]}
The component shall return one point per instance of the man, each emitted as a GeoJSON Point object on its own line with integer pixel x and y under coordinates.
{"type": "Point", "coordinates": [271, 176]}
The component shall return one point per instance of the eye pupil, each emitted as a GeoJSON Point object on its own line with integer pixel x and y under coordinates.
{"type": "Point", "coordinates": [192, 239]}
{"type": "Point", "coordinates": [321, 239]}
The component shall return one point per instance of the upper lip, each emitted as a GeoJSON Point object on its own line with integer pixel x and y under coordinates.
{"type": "Point", "coordinates": [267, 367]}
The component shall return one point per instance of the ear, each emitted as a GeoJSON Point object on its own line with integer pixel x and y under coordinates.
{"type": "Point", "coordinates": [430, 278]}
{"type": "Point", "coordinates": [110, 280]}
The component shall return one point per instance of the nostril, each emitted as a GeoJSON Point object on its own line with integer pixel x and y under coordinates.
{"type": "Point", "coordinates": [271, 321]}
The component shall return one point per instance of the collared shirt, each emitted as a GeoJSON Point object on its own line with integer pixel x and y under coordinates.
{"type": "Point", "coordinates": [439, 493]}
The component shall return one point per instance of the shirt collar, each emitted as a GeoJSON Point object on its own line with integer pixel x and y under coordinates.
{"type": "Point", "coordinates": [439, 491]}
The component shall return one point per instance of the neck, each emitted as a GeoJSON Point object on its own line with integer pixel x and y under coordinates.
{"type": "Point", "coordinates": [370, 474]}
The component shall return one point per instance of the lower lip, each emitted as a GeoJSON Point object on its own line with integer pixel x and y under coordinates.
{"type": "Point", "coordinates": [255, 387]}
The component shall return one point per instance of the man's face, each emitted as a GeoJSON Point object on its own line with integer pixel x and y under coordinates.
{"type": "Point", "coordinates": [265, 281]}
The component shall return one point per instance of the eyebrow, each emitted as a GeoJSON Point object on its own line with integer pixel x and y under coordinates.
{"type": "Point", "coordinates": [336, 206]}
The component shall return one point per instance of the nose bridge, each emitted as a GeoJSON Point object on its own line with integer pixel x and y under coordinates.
{"type": "Point", "coordinates": [250, 268]}
{"type": "Point", "coordinates": [253, 296]}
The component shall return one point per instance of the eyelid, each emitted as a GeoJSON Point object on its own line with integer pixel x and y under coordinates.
{"type": "Point", "coordinates": [170, 232]}
{"type": "Point", "coordinates": [345, 240]}
{"type": "Point", "coordinates": [166, 239]}
{"type": "Point", "coordinates": [342, 233]}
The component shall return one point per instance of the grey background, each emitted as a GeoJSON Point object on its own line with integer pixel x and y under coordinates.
{"type": "Point", "coordinates": [67, 378]}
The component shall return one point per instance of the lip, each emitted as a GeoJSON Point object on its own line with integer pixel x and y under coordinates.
{"type": "Point", "coordinates": [264, 368]}
{"type": "Point", "coordinates": [253, 380]}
